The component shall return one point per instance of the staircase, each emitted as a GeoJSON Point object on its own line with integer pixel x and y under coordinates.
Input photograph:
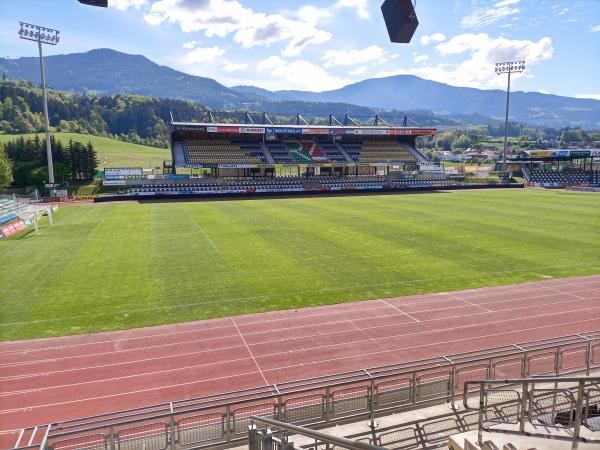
{"type": "Point", "coordinates": [416, 154]}
{"type": "Point", "coordinates": [267, 153]}
{"type": "Point", "coordinates": [343, 152]}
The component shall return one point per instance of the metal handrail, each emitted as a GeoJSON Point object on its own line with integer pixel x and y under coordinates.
{"type": "Point", "coordinates": [525, 400]}
{"type": "Point", "coordinates": [317, 435]}
{"type": "Point", "coordinates": [586, 379]}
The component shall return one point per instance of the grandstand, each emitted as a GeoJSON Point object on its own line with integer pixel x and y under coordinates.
{"type": "Point", "coordinates": [225, 146]}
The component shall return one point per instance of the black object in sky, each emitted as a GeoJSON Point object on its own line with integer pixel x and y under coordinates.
{"type": "Point", "coordinates": [102, 3]}
{"type": "Point", "coordinates": [400, 20]}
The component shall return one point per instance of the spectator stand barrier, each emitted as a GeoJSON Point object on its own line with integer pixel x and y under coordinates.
{"type": "Point", "coordinates": [221, 420]}
{"type": "Point", "coordinates": [545, 403]}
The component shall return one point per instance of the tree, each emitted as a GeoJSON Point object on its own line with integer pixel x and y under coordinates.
{"type": "Point", "coordinates": [6, 177]}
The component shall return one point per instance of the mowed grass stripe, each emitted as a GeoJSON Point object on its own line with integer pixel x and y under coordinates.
{"type": "Point", "coordinates": [117, 266]}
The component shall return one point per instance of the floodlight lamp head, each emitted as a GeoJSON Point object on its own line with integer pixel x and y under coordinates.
{"type": "Point", "coordinates": [510, 67]}
{"type": "Point", "coordinates": [37, 33]}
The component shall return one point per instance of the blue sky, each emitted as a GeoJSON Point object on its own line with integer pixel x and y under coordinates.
{"type": "Point", "coordinates": [325, 44]}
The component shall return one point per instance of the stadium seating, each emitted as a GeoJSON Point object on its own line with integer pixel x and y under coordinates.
{"type": "Point", "coordinates": [323, 151]}
{"type": "Point", "coordinates": [222, 151]}
{"type": "Point", "coordinates": [570, 176]}
{"type": "Point", "coordinates": [379, 151]}
{"type": "Point", "coordinates": [289, 152]}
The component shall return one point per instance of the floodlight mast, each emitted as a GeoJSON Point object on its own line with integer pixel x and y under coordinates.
{"type": "Point", "coordinates": [49, 36]}
{"type": "Point", "coordinates": [501, 68]}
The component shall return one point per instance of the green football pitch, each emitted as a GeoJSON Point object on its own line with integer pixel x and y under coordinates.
{"type": "Point", "coordinates": [123, 265]}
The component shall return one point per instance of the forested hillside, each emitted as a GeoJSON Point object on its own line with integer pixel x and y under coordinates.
{"type": "Point", "coordinates": [131, 118]}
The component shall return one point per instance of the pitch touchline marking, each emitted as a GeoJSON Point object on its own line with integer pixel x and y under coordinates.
{"type": "Point", "coordinates": [399, 310]}
{"type": "Point", "coordinates": [195, 222]}
{"type": "Point", "coordinates": [260, 343]}
{"type": "Point", "coordinates": [289, 293]}
{"type": "Point", "coordinates": [209, 302]}
{"type": "Point", "coordinates": [250, 351]}
{"type": "Point", "coordinates": [275, 340]}
{"type": "Point", "coordinates": [275, 354]}
{"type": "Point", "coordinates": [268, 370]}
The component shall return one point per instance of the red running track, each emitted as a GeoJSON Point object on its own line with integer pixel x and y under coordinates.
{"type": "Point", "coordinates": [49, 380]}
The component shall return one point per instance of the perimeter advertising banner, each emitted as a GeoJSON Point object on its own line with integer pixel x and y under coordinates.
{"type": "Point", "coordinates": [11, 229]}
{"type": "Point", "coordinates": [321, 131]}
{"type": "Point", "coordinates": [118, 172]}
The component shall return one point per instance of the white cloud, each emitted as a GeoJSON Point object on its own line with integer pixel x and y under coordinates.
{"type": "Point", "coordinates": [595, 29]}
{"type": "Point", "coordinates": [435, 37]}
{"type": "Point", "coordinates": [250, 28]}
{"type": "Point", "coordinates": [190, 45]}
{"type": "Point", "coordinates": [229, 66]}
{"type": "Point", "coordinates": [358, 71]}
{"type": "Point", "coordinates": [481, 53]}
{"type": "Point", "coordinates": [421, 58]}
{"type": "Point", "coordinates": [203, 54]}
{"type": "Point", "coordinates": [125, 4]}
{"type": "Point", "coordinates": [360, 6]}
{"type": "Point", "coordinates": [485, 16]}
{"type": "Point", "coordinates": [277, 73]}
{"type": "Point", "coordinates": [592, 96]}
{"type": "Point", "coordinates": [372, 54]}
{"type": "Point", "coordinates": [311, 14]}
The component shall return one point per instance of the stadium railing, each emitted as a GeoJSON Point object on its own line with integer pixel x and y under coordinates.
{"type": "Point", "coordinates": [223, 419]}
{"type": "Point", "coordinates": [276, 437]}
{"type": "Point", "coordinates": [553, 403]}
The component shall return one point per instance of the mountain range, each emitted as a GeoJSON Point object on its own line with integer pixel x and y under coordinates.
{"type": "Point", "coordinates": [109, 72]}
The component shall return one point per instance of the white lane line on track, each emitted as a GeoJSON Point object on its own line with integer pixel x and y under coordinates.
{"type": "Point", "coordinates": [265, 342]}
{"type": "Point", "coordinates": [29, 408]}
{"type": "Point", "coordinates": [250, 351]}
{"type": "Point", "coordinates": [399, 310]}
{"type": "Point", "coordinates": [139, 391]}
{"type": "Point", "coordinates": [475, 305]}
{"type": "Point", "coordinates": [124, 377]}
{"type": "Point", "coordinates": [168, 307]}
{"type": "Point", "coordinates": [374, 340]}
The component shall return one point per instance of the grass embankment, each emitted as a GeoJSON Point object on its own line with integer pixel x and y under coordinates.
{"type": "Point", "coordinates": [111, 152]}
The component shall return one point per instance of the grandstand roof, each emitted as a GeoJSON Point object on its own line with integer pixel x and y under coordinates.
{"type": "Point", "coordinates": [337, 130]}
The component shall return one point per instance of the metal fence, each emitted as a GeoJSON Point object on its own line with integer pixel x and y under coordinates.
{"type": "Point", "coordinates": [223, 419]}
{"type": "Point", "coordinates": [276, 436]}
{"type": "Point", "coordinates": [551, 403]}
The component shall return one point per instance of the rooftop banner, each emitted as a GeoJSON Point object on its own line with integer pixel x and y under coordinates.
{"type": "Point", "coordinates": [283, 130]}
{"type": "Point", "coordinates": [315, 130]}
{"type": "Point", "coordinates": [252, 130]}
